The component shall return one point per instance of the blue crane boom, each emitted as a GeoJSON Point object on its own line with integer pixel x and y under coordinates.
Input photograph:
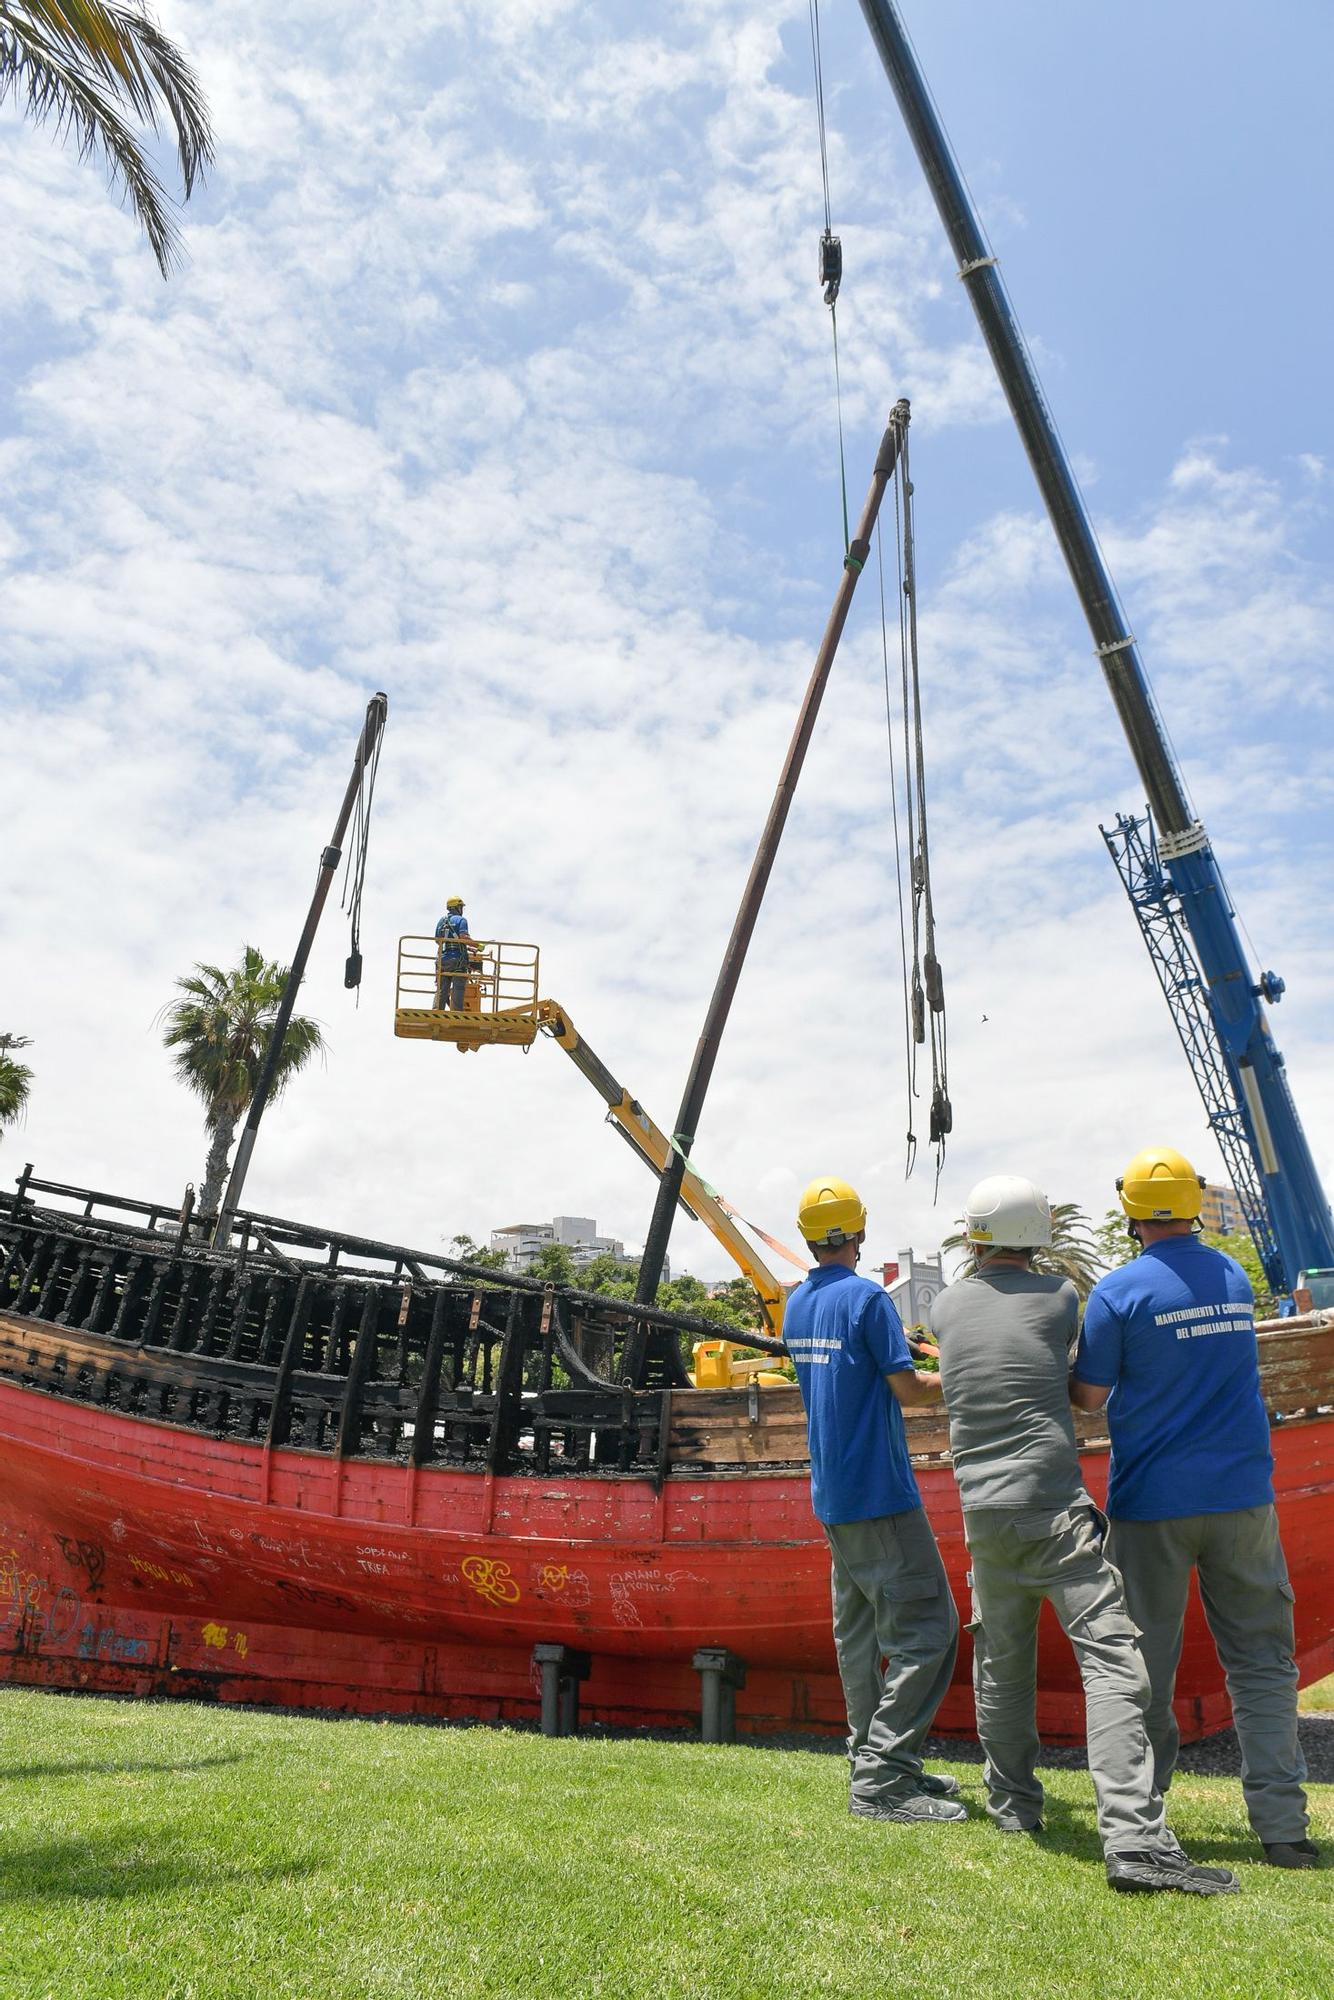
{"type": "Point", "coordinates": [1167, 862]}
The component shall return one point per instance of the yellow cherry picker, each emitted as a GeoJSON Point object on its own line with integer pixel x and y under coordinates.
{"type": "Point", "coordinates": [502, 1008]}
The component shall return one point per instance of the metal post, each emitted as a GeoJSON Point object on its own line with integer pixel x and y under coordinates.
{"type": "Point", "coordinates": [376, 710]}
{"type": "Point", "coordinates": [706, 1051]}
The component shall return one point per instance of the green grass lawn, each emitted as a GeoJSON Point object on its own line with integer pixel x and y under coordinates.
{"type": "Point", "coordinates": [190, 1853]}
{"type": "Point", "coordinates": [1317, 1699]}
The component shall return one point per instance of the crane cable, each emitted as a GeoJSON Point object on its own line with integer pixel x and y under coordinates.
{"type": "Point", "coordinates": [923, 988]}
{"type": "Point", "coordinates": [909, 1047]}
{"type": "Point", "coordinates": [831, 254]}
{"type": "Point", "coordinates": [925, 992]}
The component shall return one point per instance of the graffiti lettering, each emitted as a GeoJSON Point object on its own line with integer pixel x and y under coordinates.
{"type": "Point", "coordinates": [558, 1580]}
{"type": "Point", "coordinates": [491, 1580]}
{"type": "Point", "coordinates": [22, 1593]}
{"type": "Point", "coordinates": [218, 1637]}
{"type": "Point", "coordinates": [90, 1557]}
{"type": "Point", "coordinates": [104, 1642]}
{"type": "Point", "coordinates": [161, 1575]}
{"type": "Point", "coordinates": [64, 1614]}
{"type": "Point", "coordinates": [20, 1589]}
{"type": "Point", "coordinates": [634, 1583]}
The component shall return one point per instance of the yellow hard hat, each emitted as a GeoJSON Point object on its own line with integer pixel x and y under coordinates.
{"type": "Point", "coordinates": [453, 902]}
{"type": "Point", "coordinates": [1160, 1185]}
{"type": "Point", "coordinates": [830, 1213]}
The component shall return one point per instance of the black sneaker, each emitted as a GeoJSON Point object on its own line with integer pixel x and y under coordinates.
{"type": "Point", "coordinates": [1147, 1872]}
{"type": "Point", "coordinates": [911, 1809]}
{"type": "Point", "coordinates": [1291, 1853]}
{"type": "Point", "coordinates": [1020, 1826]}
{"type": "Point", "coordinates": [938, 1785]}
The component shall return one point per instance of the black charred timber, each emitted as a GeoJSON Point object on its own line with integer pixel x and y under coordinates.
{"type": "Point", "coordinates": [376, 710]}
{"type": "Point", "coordinates": [300, 1351]}
{"type": "Point", "coordinates": [980, 274]}
{"type": "Point", "coordinates": [706, 1051]}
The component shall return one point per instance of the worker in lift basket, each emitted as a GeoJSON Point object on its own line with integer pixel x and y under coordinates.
{"type": "Point", "coordinates": [1169, 1346]}
{"type": "Point", "coordinates": [1005, 1333]}
{"type": "Point", "coordinates": [454, 954]}
{"type": "Point", "coordinates": [891, 1597]}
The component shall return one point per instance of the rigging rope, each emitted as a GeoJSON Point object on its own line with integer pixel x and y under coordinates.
{"type": "Point", "coordinates": [924, 1023]}
{"type": "Point", "coordinates": [354, 878]}
{"type": "Point", "coordinates": [909, 1052]}
{"type": "Point", "coordinates": [831, 255]}
{"type": "Point", "coordinates": [928, 989]}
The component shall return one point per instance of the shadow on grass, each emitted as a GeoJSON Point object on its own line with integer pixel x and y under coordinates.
{"type": "Point", "coordinates": [108, 1765]}
{"type": "Point", "coordinates": [116, 1867]}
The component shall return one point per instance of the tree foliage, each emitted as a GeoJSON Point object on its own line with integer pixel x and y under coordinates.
{"type": "Point", "coordinates": [466, 1251]}
{"type": "Point", "coordinates": [1241, 1245]}
{"type": "Point", "coordinates": [89, 68]}
{"type": "Point", "coordinates": [733, 1307]}
{"type": "Point", "coordinates": [15, 1080]}
{"type": "Point", "coordinates": [1116, 1245]}
{"type": "Point", "coordinates": [554, 1264]}
{"type": "Point", "coordinates": [218, 1031]}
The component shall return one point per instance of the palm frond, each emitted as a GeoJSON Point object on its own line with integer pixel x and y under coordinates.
{"type": "Point", "coordinates": [15, 1081]}
{"type": "Point", "coordinates": [72, 63]}
{"type": "Point", "coordinates": [1073, 1252]}
{"type": "Point", "coordinates": [219, 1028]}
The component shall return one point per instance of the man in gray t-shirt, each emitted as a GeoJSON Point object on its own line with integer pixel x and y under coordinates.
{"type": "Point", "coordinates": [1005, 1335]}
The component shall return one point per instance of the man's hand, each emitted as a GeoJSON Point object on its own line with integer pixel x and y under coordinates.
{"type": "Point", "coordinates": [914, 1387]}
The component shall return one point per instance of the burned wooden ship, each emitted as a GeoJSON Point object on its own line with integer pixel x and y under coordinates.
{"type": "Point", "coordinates": [315, 1469]}
{"type": "Point", "coordinates": [344, 1475]}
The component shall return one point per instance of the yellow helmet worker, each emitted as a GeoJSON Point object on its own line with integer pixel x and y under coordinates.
{"type": "Point", "coordinates": [454, 955]}
{"type": "Point", "coordinates": [830, 1214]}
{"type": "Point", "coordinates": [1161, 1185]}
{"type": "Point", "coordinates": [891, 1597]}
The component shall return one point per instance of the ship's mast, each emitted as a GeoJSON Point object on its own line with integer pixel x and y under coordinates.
{"type": "Point", "coordinates": [376, 710]}
{"type": "Point", "coordinates": [1301, 1232]}
{"type": "Point", "coordinates": [706, 1050]}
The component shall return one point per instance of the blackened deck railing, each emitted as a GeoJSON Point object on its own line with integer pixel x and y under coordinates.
{"type": "Point", "coordinates": [328, 1343]}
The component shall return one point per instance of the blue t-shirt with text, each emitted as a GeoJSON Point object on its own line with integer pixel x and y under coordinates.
{"type": "Point", "coordinates": [1173, 1336]}
{"type": "Point", "coordinates": [844, 1337]}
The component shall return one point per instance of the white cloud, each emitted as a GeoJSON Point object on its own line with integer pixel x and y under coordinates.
{"type": "Point", "coordinates": [497, 379]}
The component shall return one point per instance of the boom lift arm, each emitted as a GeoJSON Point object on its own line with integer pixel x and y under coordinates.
{"type": "Point", "coordinates": [502, 1009]}
{"type": "Point", "coordinates": [697, 1197]}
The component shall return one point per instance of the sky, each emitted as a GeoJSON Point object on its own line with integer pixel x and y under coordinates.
{"type": "Point", "coordinates": [497, 376]}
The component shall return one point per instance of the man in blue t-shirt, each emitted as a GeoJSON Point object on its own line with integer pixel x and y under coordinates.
{"type": "Point", "coordinates": [455, 955]}
{"type": "Point", "coordinates": [1168, 1345]}
{"type": "Point", "coordinates": [891, 1596]}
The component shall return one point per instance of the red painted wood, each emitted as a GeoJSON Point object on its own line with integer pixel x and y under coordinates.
{"type": "Point", "coordinates": [148, 1560]}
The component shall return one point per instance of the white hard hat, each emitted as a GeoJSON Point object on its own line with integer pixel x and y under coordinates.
{"type": "Point", "coordinates": [1009, 1212]}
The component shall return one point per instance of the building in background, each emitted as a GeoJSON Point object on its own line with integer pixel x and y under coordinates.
{"type": "Point", "coordinates": [918, 1281]}
{"type": "Point", "coordinates": [1220, 1211]}
{"type": "Point", "coordinates": [521, 1243]}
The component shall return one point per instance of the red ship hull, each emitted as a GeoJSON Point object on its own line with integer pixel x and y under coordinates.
{"type": "Point", "coordinates": [140, 1558]}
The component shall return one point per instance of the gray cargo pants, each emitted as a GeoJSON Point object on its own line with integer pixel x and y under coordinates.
{"type": "Point", "coordinates": [1021, 1556]}
{"type": "Point", "coordinates": [1247, 1600]}
{"type": "Point", "coordinates": [892, 1602]}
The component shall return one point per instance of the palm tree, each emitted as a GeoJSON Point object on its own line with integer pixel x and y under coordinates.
{"type": "Point", "coordinates": [1073, 1253]}
{"type": "Point", "coordinates": [220, 1029]}
{"type": "Point", "coordinates": [15, 1080]}
{"type": "Point", "coordinates": [81, 65]}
